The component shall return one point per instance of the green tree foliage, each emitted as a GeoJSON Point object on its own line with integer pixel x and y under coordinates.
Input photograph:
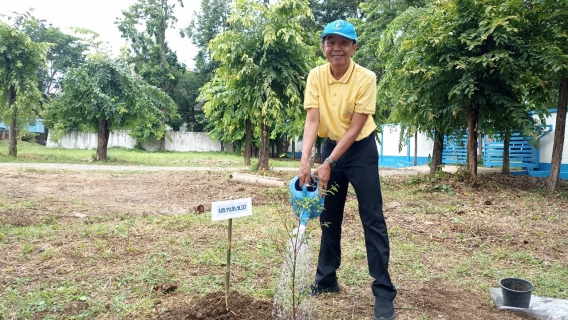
{"type": "Point", "coordinates": [145, 24]}
{"type": "Point", "coordinates": [102, 95]}
{"type": "Point", "coordinates": [378, 14]}
{"type": "Point", "coordinates": [204, 27]}
{"type": "Point", "coordinates": [185, 94]}
{"type": "Point", "coordinates": [545, 24]}
{"type": "Point", "coordinates": [461, 61]}
{"type": "Point", "coordinates": [326, 11]}
{"type": "Point", "coordinates": [66, 52]}
{"type": "Point", "coordinates": [263, 64]}
{"type": "Point", "coordinates": [20, 59]}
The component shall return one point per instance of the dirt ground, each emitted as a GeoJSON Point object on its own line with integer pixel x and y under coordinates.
{"type": "Point", "coordinates": [65, 191]}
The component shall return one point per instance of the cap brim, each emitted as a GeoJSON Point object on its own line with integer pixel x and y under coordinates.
{"type": "Point", "coordinates": [343, 35]}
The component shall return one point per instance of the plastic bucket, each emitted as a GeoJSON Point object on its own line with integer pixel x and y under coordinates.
{"type": "Point", "coordinates": [516, 292]}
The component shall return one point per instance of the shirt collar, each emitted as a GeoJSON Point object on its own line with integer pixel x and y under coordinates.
{"type": "Point", "coordinates": [345, 77]}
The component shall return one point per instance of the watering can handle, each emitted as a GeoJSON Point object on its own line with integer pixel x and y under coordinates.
{"type": "Point", "coordinates": [305, 188]}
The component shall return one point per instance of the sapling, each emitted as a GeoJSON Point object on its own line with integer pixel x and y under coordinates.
{"type": "Point", "coordinates": [291, 299]}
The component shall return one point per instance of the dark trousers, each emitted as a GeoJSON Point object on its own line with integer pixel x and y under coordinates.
{"type": "Point", "coordinates": [358, 166]}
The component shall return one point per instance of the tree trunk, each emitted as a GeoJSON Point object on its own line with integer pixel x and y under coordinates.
{"type": "Point", "coordinates": [506, 158]}
{"type": "Point", "coordinates": [415, 148]}
{"type": "Point", "coordinates": [472, 122]}
{"type": "Point", "coordinates": [479, 147]}
{"type": "Point", "coordinates": [103, 136]}
{"type": "Point", "coordinates": [282, 146]}
{"type": "Point", "coordinates": [437, 152]}
{"type": "Point", "coordinates": [163, 143]}
{"type": "Point", "coordinates": [13, 149]}
{"type": "Point", "coordinates": [294, 149]}
{"type": "Point", "coordinates": [248, 143]}
{"type": "Point", "coordinates": [257, 180]}
{"type": "Point", "coordinates": [271, 152]}
{"type": "Point", "coordinates": [263, 149]}
{"type": "Point", "coordinates": [162, 42]}
{"type": "Point", "coordinates": [559, 132]}
{"type": "Point", "coordinates": [313, 155]}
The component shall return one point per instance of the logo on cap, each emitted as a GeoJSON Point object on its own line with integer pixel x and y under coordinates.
{"type": "Point", "coordinates": [338, 25]}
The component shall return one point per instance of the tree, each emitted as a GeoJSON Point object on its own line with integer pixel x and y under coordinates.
{"type": "Point", "coordinates": [326, 11]}
{"type": "Point", "coordinates": [145, 25]}
{"type": "Point", "coordinates": [185, 95]}
{"type": "Point", "coordinates": [468, 52]}
{"type": "Point", "coordinates": [396, 96]}
{"type": "Point", "coordinates": [263, 64]}
{"type": "Point", "coordinates": [204, 27]}
{"type": "Point", "coordinates": [20, 59]}
{"type": "Point", "coordinates": [545, 23]}
{"type": "Point", "coordinates": [102, 95]}
{"type": "Point", "coordinates": [66, 52]}
{"type": "Point", "coordinates": [378, 14]}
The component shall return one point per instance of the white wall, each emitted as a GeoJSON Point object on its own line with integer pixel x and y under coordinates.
{"type": "Point", "coordinates": [178, 141]}
{"type": "Point", "coordinates": [425, 145]}
{"type": "Point", "coordinates": [547, 142]}
{"type": "Point", "coordinates": [389, 141]}
{"type": "Point", "coordinates": [390, 137]}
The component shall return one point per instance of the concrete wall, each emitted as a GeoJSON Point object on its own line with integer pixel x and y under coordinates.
{"type": "Point", "coordinates": [547, 142]}
{"type": "Point", "coordinates": [178, 141]}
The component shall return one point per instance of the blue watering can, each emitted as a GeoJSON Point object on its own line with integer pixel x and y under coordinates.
{"type": "Point", "coordinates": [306, 201]}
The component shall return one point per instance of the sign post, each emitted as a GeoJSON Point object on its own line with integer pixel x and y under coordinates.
{"type": "Point", "coordinates": [228, 270]}
{"type": "Point", "coordinates": [223, 210]}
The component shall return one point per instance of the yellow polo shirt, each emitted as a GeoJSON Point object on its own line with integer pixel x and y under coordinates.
{"type": "Point", "coordinates": [336, 100]}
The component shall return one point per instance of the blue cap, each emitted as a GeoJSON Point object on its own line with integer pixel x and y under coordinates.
{"type": "Point", "coordinates": [340, 28]}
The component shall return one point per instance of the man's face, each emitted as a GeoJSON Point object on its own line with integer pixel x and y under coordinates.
{"type": "Point", "coordinates": [338, 50]}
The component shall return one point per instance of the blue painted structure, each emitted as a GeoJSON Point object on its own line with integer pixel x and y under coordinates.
{"type": "Point", "coordinates": [523, 152]}
{"type": "Point", "coordinates": [455, 150]}
{"type": "Point", "coordinates": [38, 127]}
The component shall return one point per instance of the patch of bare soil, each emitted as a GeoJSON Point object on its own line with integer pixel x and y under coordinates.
{"type": "Point", "coordinates": [499, 213]}
{"type": "Point", "coordinates": [213, 307]}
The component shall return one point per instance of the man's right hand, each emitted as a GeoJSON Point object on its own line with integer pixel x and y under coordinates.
{"type": "Point", "coordinates": [304, 173]}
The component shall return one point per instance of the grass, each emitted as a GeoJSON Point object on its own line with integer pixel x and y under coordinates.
{"type": "Point", "coordinates": [30, 152]}
{"type": "Point", "coordinates": [447, 248]}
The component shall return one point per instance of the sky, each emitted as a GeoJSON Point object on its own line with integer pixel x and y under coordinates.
{"type": "Point", "coordinates": [100, 15]}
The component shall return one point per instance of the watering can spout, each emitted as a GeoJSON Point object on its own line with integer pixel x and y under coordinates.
{"type": "Point", "coordinates": [306, 201]}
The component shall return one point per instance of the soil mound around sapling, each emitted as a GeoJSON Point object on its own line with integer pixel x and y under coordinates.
{"type": "Point", "coordinates": [212, 307]}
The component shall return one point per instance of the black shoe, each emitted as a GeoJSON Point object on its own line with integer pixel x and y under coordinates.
{"type": "Point", "coordinates": [316, 289]}
{"type": "Point", "coordinates": [384, 309]}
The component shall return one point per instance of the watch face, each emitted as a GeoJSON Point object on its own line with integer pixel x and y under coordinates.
{"type": "Point", "coordinates": [331, 162]}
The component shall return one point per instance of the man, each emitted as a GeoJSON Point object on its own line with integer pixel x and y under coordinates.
{"type": "Point", "coordinates": [340, 100]}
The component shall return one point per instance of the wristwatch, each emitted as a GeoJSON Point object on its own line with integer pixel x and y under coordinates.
{"type": "Point", "coordinates": [331, 162]}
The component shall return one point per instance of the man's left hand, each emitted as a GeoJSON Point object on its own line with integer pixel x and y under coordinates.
{"type": "Point", "coordinates": [323, 172]}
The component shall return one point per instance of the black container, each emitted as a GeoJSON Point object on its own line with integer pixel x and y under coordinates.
{"type": "Point", "coordinates": [516, 292]}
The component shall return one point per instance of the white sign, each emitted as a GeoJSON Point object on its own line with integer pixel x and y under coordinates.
{"type": "Point", "coordinates": [223, 210]}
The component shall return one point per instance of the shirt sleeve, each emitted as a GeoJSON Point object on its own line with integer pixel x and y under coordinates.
{"type": "Point", "coordinates": [366, 100]}
{"type": "Point", "coordinates": [311, 96]}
